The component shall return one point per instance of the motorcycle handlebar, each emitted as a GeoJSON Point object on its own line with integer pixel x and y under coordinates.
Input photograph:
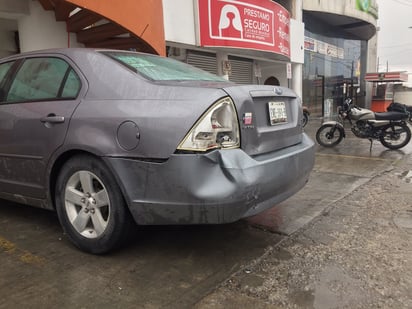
{"type": "Point", "coordinates": [349, 103]}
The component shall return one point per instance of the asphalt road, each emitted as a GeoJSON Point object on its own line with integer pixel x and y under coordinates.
{"type": "Point", "coordinates": [169, 267]}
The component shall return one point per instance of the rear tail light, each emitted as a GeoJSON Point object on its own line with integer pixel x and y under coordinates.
{"type": "Point", "coordinates": [217, 128]}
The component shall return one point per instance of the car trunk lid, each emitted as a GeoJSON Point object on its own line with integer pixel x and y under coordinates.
{"type": "Point", "coordinates": [270, 118]}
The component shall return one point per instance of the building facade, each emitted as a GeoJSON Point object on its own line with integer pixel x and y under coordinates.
{"type": "Point", "coordinates": [254, 41]}
{"type": "Point", "coordinates": [340, 47]}
{"type": "Point", "coordinates": [319, 48]}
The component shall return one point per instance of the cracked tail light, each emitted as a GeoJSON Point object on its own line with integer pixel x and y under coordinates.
{"type": "Point", "coordinates": [217, 128]}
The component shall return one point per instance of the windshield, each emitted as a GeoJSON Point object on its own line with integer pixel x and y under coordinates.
{"type": "Point", "coordinates": [160, 68]}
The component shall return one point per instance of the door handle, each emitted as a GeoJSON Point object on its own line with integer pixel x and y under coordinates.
{"type": "Point", "coordinates": [52, 119]}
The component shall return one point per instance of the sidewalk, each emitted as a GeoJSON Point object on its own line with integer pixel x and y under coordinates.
{"type": "Point", "coordinates": [337, 172]}
{"type": "Point", "coordinates": [356, 254]}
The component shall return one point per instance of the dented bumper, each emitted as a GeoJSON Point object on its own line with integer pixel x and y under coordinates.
{"type": "Point", "coordinates": [218, 187]}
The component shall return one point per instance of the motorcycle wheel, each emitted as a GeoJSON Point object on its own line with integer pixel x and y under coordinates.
{"type": "Point", "coordinates": [328, 135]}
{"type": "Point", "coordinates": [305, 119]}
{"type": "Point", "coordinates": [395, 136]}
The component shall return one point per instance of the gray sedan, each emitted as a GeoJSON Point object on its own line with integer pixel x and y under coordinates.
{"type": "Point", "coordinates": [112, 138]}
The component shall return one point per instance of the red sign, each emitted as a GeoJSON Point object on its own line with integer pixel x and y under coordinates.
{"type": "Point", "coordinates": [387, 77]}
{"type": "Point", "coordinates": [255, 24]}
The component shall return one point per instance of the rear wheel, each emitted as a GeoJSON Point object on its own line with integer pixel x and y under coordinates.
{"type": "Point", "coordinates": [395, 136]}
{"type": "Point", "coordinates": [90, 206]}
{"type": "Point", "coordinates": [329, 135]}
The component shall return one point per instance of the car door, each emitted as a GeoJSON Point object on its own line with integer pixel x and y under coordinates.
{"type": "Point", "coordinates": [37, 101]}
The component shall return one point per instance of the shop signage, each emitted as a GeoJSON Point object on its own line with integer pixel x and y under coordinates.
{"type": "Point", "coordinates": [255, 24]}
{"type": "Point", "coordinates": [324, 48]}
{"type": "Point", "coordinates": [387, 77]}
{"type": "Point", "coordinates": [289, 70]}
{"type": "Point", "coordinates": [310, 44]}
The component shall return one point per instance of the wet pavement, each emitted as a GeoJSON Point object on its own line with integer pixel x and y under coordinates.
{"type": "Point", "coordinates": [354, 252]}
{"type": "Point", "coordinates": [343, 241]}
{"type": "Point", "coordinates": [337, 172]}
{"type": "Point", "coordinates": [162, 266]}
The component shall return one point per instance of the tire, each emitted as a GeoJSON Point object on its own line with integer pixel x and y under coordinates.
{"type": "Point", "coordinates": [305, 119]}
{"type": "Point", "coordinates": [395, 136]}
{"type": "Point", "coordinates": [90, 206]}
{"type": "Point", "coordinates": [329, 135]}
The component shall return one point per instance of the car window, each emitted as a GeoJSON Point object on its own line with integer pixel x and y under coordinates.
{"type": "Point", "coordinates": [162, 69]}
{"type": "Point", "coordinates": [72, 85]}
{"type": "Point", "coordinates": [42, 79]}
{"type": "Point", "coordinates": [4, 68]}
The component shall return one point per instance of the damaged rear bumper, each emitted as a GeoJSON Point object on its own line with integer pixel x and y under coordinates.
{"type": "Point", "coordinates": [218, 187]}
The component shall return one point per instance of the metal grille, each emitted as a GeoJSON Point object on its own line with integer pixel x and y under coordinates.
{"type": "Point", "coordinates": [242, 70]}
{"type": "Point", "coordinates": [204, 61]}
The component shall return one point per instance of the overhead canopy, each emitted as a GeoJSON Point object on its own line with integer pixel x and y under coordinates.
{"type": "Point", "coordinates": [385, 77]}
{"type": "Point", "coordinates": [347, 27]}
{"type": "Point", "coordinates": [128, 24]}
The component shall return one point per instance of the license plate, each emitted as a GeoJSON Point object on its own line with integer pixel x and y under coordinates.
{"type": "Point", "coordinates": [277, 113]}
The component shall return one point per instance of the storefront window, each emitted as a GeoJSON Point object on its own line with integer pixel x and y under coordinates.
{"type": "Point", "coordinates": [331, 71]}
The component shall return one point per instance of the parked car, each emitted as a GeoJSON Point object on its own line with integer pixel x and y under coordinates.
{"type": "Point", "coordinates": [112, 138]}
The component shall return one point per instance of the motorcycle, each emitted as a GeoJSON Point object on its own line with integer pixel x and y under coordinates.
{"type": "Point", "coordinates": [390, 128]}
{"type": "Point", "coordinates": [403, 108]}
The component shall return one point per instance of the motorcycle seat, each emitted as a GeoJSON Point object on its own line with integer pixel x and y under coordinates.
{"type": "Point", "coordinates": [391, 116]}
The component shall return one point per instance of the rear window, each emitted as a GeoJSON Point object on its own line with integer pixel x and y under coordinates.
{"type": "Point", "coordinates": [162, 69]}
{"type": "Point", "coordinates": [44, 78]}
{"type": "Point", "coordinates": [4, 68]}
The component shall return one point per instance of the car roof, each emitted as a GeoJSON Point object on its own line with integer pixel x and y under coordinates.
{"type": "Point", "coordinates": [65, 51]}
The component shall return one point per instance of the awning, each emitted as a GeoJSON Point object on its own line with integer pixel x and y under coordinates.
{"type": "Point", "coordinates": [385, 77]}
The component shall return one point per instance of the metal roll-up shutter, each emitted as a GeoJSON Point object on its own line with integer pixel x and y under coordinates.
{"type": "Point", "coordinates": [242, 70]}
{"type": "Point", "coordinates": [204, 61]}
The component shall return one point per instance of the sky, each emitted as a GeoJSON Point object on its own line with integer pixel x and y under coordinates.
{"type": "Point", "coordinates": [395, 36]}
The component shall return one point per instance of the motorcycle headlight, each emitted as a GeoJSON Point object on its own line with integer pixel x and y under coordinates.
{"type": "Point", "coordinates": [217, 128]}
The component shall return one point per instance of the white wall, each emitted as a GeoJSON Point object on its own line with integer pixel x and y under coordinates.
{"type": "Point", "coordinates": [40, 30]}
{"type": "Point", "coordinates": [276, 69]}
{"type": "Point", "coordinates": [179, 21]}
{"type": "Point", "coordinates": [404, 97]}
{"type": "Point", "coordinates": [12, 9]}
{"type": "Point", "coordinates": [7, 42]}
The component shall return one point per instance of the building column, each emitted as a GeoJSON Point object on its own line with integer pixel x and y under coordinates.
{"type": "Point", "coordinates": [297, 68]}
{"type": "Point", "coordinates": [371, 66]}
{"type": "Point", "coordinates": [297, 77]}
